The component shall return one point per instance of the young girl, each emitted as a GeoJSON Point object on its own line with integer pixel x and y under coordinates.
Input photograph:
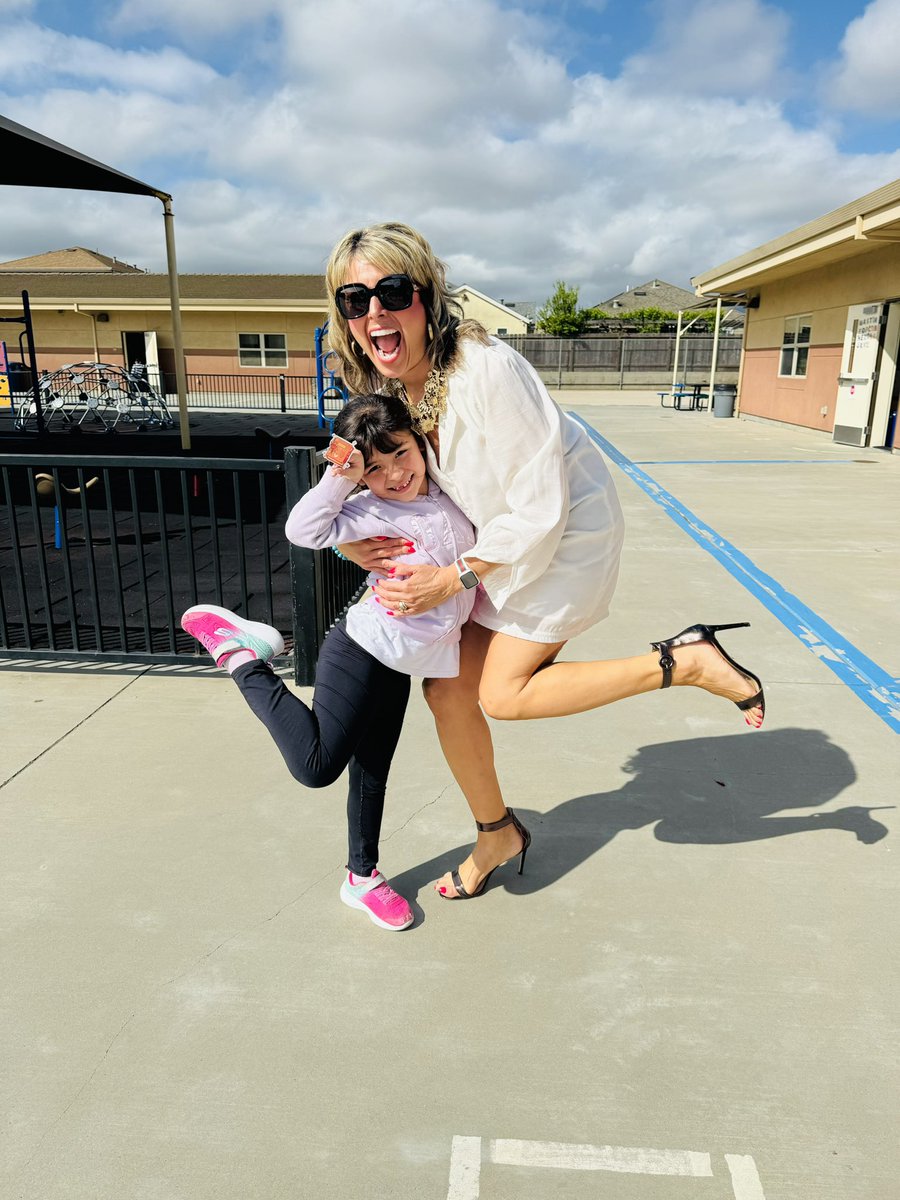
{"type": "Point", "coordinates": [362, 675]}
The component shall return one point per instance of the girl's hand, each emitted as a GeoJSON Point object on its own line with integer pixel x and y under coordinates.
{"type": "Point", "coordinates": [352, 469]}
{"type": "Point", "coordinates": [419, 586]}
{"type": "Point", "coordinates": [375, 554]}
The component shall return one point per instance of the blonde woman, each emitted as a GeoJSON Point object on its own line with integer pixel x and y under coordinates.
{"type": "Point", "coordinates": [547, 519]}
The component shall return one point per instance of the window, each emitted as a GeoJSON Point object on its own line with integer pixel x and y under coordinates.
{"type": "Point", "coordinates": [795, 346]}
{"type": "Point", "coordinates": [262, 349]}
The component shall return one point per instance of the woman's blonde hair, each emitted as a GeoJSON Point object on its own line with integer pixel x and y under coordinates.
{"type": "Point", "coordinates": [396, 249]}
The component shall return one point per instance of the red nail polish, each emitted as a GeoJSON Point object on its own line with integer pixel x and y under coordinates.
{"type": "Point", "coordinates": [391, 570]}
{"type": "Point", "coordinates": [443, 891]}
{"type": "Point", "coordinates": [390, 614]}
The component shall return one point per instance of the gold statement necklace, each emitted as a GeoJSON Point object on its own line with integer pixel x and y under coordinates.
{"type": "Point", "coordinates": [429, 410]}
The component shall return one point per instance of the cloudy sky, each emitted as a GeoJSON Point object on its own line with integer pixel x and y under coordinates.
{"type": "Point", "coordinates": [603, 142]}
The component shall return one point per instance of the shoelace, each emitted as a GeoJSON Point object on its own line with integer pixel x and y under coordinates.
{"type": "Point", "coordinates": [388, 897]}
{"type": "Point", "coordinates": [212, 640]}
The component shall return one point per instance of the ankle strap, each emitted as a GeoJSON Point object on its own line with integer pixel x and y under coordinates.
{"type": "Point", "coordinates": [493, 826]}
{"type": "Point", "coordinates": [667, 662]}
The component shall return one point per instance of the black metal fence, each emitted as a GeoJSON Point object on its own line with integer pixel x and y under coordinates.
{"type": "Point", "coordinates": [263, 393]}
{"type": "Point", "coordinates": [99, 558]}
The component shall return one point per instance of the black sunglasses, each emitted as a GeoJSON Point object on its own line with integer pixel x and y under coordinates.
{"type": "Point", "coordinates": [395, 292]}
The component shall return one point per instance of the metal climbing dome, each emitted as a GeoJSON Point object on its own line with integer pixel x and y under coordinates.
{"type": "Point", "coordinates": [101, 394]}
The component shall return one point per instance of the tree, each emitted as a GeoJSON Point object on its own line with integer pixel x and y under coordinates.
{"type": "Point", "coordinates": [560, 316]}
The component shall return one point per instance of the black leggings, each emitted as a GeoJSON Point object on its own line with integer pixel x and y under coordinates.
{"type": "Point", "coordinates": [356, 717]}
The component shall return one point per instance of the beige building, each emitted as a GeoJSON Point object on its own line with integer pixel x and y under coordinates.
{"type": "Point", "coordinates": [822, 334]}
{"type": "Point", "coordinates": [86, 306]}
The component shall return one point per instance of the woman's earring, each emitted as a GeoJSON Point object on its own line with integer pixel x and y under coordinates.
{"type": "Point", "coordinates": [430, 332]}
{"type": "Point", "coordinates": [357, 348]}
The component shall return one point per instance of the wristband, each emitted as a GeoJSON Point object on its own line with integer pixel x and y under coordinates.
{"type": "Point", "coordinates": [342, 557]}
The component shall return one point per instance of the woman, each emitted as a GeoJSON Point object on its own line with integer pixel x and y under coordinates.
{"type": "Point", "coordinates": [546, 515]}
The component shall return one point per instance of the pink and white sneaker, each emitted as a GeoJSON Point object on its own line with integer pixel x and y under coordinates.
{"type": "Point", "coordinates": [222, 632]}
{"type": "Point", "coordinates": [376, 897]}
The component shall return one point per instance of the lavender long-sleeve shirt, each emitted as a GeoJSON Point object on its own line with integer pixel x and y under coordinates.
{"type": "Point", "coordinates": [426, 645]}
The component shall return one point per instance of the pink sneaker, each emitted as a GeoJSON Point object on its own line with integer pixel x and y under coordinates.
{"type": "Point", "coordinates": [222, 632]}
{"type": "Point", "coordinates": [376, 897]}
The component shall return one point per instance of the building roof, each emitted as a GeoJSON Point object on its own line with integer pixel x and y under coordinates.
{"type": "Point", "coordinates": [656, 293]}
{"type": "Point", "coordinates": [859, 227]}
{"type": "Point", "coordinates": [110, 290]}
{"type": "Point", "coordinates": [74, 258]}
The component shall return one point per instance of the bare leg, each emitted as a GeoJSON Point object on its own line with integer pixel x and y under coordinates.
{"type": "Point", "coordinates": [465, 738]}
{"type": "Point", "coordinates": [520, 681]}
{"type": "Point", "coordinates": [515, 688]}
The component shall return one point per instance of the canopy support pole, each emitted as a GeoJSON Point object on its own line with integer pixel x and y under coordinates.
{"type": "Point", "coordinates": [175, 302]}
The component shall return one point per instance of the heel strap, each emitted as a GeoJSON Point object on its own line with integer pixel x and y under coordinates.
{"type": "Point", "coordinates": [493, 826]}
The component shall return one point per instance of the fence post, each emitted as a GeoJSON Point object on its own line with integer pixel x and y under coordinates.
{"type": "Point", "coordinates": [559, 364]}
{"type": "Point", "coordinates": [282, 393]}
{"type": "Point", "coordinates": [298, 480]}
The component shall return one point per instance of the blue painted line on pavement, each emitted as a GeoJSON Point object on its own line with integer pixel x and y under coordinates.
{"type": "Point", "coordinates": [810, 462]}
{"type": "Point", "coordinates": [873, 685]}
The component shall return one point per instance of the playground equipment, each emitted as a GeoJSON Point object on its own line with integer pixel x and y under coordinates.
{"type": "Point", "coordinates": [102, 393]}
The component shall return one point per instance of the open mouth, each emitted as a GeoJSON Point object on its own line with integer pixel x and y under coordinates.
{"type": "Point", "coordinates": [386, 343]}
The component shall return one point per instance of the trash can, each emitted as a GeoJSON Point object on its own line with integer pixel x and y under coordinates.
{"type": "Point", "coordinates": [723, 399]}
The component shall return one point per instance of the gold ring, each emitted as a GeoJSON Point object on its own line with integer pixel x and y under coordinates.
{"type": "Point", "coordinates": [402, 605]}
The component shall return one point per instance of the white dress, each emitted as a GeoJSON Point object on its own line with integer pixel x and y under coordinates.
{"type": "Point", "coordinates": [538, 492]}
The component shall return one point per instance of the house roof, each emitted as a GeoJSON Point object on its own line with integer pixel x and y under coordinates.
{"type": "Point", "coordinates": [859, 227]}
{"type": "Point", "coordinates": [74, 258]}
{"type": "Point", "coordinates": [656, 293]}
{"type": "Point", "coordinates": [506, 309]}
{"type": "Point", "coordinates": [111, 290]}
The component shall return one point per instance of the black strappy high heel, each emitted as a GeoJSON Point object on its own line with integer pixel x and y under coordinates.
{"type": "Point", "coordinates": [707, 633]}
{"type": "Point", "coordinates": [491, 827]}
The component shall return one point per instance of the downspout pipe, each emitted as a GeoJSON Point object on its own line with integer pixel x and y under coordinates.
{"type": "Point", "coordinates": [93, 319]}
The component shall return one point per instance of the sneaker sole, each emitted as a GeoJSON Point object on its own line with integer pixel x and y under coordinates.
{"type": "Point", "coordinates": [352, 902]}
{"type": "Point", "coordinates": [265, 633]}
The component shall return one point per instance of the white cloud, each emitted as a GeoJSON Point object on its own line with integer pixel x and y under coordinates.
{"type": "Point", "coordinates": [867, 76]}
{"type": "Point", "coordinates": [723, 47]}
{"type": "Point", "coordinates": [454, 118]}
{"type": "Point", "coordinates": [32, 53]}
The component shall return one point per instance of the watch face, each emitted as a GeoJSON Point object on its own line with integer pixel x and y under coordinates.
{"type": "Point", "coordinates": [468, 579]}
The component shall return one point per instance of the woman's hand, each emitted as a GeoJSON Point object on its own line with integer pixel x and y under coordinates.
{"type": "Point", "coordinates": [376, 553]}
{"type": "Point", "coordinates": [418, 586]}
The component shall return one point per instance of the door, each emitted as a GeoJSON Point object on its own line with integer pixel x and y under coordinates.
{"type": "Point", "coordinates": [142, 348]}
{"type": "Point", "coordinates": [859, 365]}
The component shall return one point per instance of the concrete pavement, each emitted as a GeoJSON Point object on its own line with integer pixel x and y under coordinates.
{"type": "Point", "coordinates": [696, 976]}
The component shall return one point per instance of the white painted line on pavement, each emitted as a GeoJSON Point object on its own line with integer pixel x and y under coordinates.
{"type": "Point", "coordinates": [465, 1168]}
{"type": "Point", "coordinates": [626, 1159]}
{"type": "Point", "coordinates": [745, 1181]}
{"type": "Point", "coordinates": [467, 1154]}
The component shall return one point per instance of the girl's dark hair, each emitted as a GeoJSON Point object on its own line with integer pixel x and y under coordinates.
{"type": "Point", "coordinates": [374, 422]}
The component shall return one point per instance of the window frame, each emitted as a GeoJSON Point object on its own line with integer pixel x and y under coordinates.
{"type": "Point", "coordinates": [794, 351]}
{"type": "Point", "coordinates": [263, 349]}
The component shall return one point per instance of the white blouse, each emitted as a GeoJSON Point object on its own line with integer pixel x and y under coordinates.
{"type": "Point", "coordinates": [538, 492]}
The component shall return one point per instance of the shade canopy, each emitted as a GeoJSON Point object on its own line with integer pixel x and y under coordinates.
{"type": "Point", "coordinates": [29, 159]}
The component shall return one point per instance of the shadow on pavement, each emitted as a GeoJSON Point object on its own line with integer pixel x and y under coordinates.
{"type": "Point", "coordinates": [709, 791]}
